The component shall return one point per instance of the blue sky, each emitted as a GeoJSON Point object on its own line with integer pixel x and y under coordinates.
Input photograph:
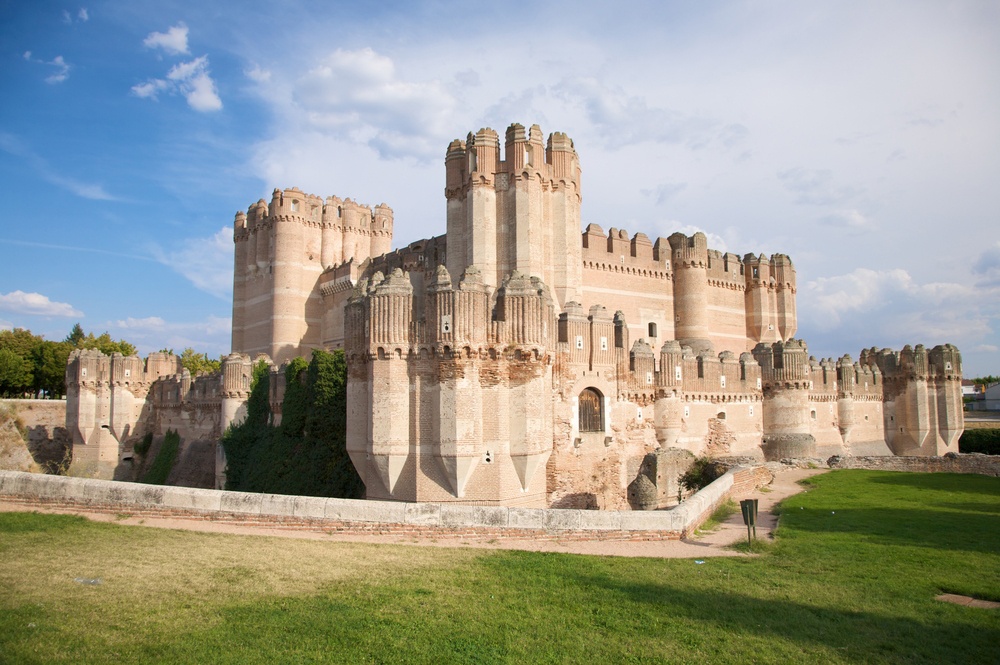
{"type": "Point", "coordinates": [860, 138]}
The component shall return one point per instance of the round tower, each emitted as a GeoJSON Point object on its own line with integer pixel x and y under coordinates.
{"type": "Point", "coordinates": [690, 263]}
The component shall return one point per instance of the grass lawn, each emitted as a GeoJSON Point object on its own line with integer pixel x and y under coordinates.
{"type": "Point", "coordinates": [851, 579]}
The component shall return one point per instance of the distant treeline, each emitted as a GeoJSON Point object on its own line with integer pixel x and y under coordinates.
{"type": "Point", "coordinates": [31, 366]}
{"type": "Point", "coordinates": [306, 454]}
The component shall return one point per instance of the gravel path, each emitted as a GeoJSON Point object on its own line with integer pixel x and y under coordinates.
{"type": "Point", "coordinates": [712, 544]}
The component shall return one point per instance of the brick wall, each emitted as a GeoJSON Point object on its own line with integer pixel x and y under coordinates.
{"type": "Point", "coordinates": [986, 465]}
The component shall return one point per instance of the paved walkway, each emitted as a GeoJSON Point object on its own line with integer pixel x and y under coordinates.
{"type": "Point", "coordinates": [715, 543]}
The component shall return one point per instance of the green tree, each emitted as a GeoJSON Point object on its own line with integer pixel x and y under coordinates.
{"type": "Point", "coordinates": [20, 341]}
{"type": "Point", "coordinates": [76, 336]}
{"type": "Point", "coordinates": [15, 373]}
{"type": "Point", "coordinates": [106, 345]}
{"type": "Point", "coordinates": [199, 362]}
{"type": "Point", "coordinates": [49, 360]}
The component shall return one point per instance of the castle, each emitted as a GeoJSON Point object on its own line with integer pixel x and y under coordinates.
{"type": "Point", "coordinates": [517, 361]}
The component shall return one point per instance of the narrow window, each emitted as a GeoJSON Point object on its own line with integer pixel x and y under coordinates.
{"type": "Point", "coordinates": [591, 411]}
{"type": "Point", "coordinates": [652, 329]}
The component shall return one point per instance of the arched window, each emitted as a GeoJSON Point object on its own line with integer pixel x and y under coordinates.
{"type": "Point", "coordinates": [591, 411]}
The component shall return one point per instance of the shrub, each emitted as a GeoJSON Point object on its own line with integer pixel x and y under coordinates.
{"type": "Point", "coordinates": [700, 474]}
{"type": "Point", "coordinates": [980, 441]}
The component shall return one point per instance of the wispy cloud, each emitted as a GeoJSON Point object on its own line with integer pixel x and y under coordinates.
{"type": "Point", "coordinates": [61, 67]}
{"type": "Point", "coordinates": [76, 248]}
{"type": "Point", "coordinates": [14, 146]}
{"type": "Point", "coordinates": [82, 16]}
{"type": "Point", "coordinates": [36, 304]}
{"type": "Point", "coordinates": [205, 262]}
{"type": "Point", "coordinates": [174, 41]}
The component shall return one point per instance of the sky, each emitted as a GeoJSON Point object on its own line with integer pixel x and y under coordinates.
{"type": "Point", "coordinates": [860, 138]}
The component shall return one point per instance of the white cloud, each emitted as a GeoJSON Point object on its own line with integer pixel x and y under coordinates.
{"type": "Point", "coordinates": [147, 323]}
{"type": "Point", "coordinates": [62, 72]}
{"type": "Point", "coordinates": [191, 79]}
{"type": "Point", "coordinates": [987, 348]}
{"type": "Point", "coordinates": [174, 41]}
{"type": "Point", "coordinates": [890, 308]}
{"type": "Point", "coordinates": [36, 304]}
{"type": "Point", "coordinates": [150, 88]}
{"type": "Point", "coordinates": [205, 262]}
{"type": "Point", "coordinates": [201, 93]}
{"type": "Point", "coordinates": [6, 325]}
{"type": "Point", "coordinates": [67, 18]}
{"type": "Point", "coordinates": [358, 95]}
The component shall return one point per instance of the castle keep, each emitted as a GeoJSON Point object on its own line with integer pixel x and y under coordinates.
{"type": "Point", "coordinates": [521, 359]}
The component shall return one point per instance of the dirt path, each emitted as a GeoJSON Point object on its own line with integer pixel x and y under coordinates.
{"type": "Point", "coordinates": [711, 544]}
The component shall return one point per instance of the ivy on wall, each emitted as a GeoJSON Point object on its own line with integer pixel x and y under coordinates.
{"type": "Point", "coordinates": [307, 454]}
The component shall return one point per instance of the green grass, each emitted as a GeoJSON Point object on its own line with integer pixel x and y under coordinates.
{"type": "Point", "coordinates": [719, 515]}
{"type": "Point", "coordinates": [850, 578]}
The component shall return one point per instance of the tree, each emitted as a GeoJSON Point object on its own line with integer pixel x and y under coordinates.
{"type": "Point", "coordinates": [49, 360]}
{"type": "Point", "coordinates": [15, 373]}
{"type": "Point", "coordinates": [76, 336]}
{"type": "Point", "coordinates": [106, 345]}
{"type": "Point", "coordinates": [199, 362]}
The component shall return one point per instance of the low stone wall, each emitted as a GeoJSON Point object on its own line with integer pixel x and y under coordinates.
{"type": "Point", "coordinates": [984, 465]}
{"type": "Point", "coordinates": [373, 517]}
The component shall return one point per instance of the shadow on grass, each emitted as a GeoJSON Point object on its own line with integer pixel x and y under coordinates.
{"type": "Point", "coordinates": [855, 635]}
{"type": "Point", "coordinates": [944, 482]}
{"type": "Point", "coordinates": [938, 529]}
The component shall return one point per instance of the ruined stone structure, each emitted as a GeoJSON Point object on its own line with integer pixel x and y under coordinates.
{"type": "Point", "coordinates": [518, 361]}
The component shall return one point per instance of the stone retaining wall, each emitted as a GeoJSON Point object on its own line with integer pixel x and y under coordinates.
{"type": "Point", "coordinates": [985, 465]}
{"type": "Point", "coordinates": [369, 517]}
